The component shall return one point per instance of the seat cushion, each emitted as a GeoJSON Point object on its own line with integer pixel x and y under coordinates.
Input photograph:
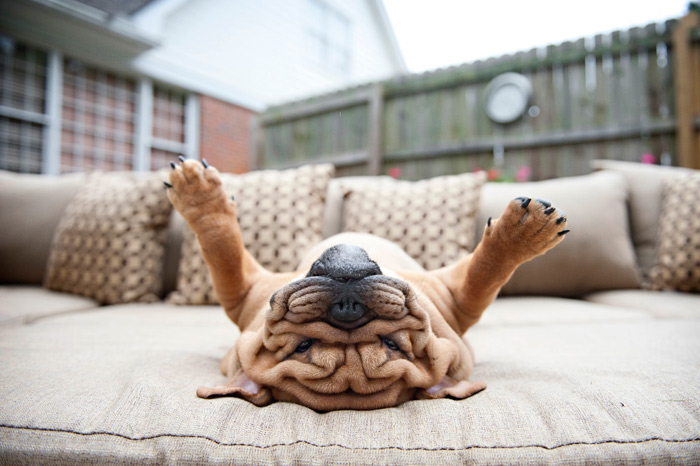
{"type": "Point", "coordinates": [25, 303]}
{"type": "Point", "coordinates": [659, 303]}
{"type": "Point", "coordinates": [569, 382]}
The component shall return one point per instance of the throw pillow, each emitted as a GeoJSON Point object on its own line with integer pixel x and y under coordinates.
{"type": "Point", "coordinates": [109, 243]}
{"type": "Point", "coordinates": [677, 264]}
{"type": "Point", "coordinates": [433, 220]}
{"type": "Point", "coordinates": [280, 213]}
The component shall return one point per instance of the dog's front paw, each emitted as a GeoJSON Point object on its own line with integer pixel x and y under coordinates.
{"type": "Point", "coordinates": [195, 190]}
{"type": "Point", "coordinates": [528, 228]}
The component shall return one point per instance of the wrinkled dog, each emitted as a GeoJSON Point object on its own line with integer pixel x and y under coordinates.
{"type": "Point", "coordinates": [359, 325]}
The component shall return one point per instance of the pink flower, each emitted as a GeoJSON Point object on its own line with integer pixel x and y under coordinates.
{"type": "Point", "coordinates": [493, 174]}
{"type": "Point", "coordinates": [523, 173]}
{"type": "Point", "coordinates": [649, 159]}
{"type": "Point", "coordinates": [395, 172]}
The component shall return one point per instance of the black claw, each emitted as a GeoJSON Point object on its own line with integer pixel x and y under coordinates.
{"type": "Point", "coordinates": [181, 158]}
{"type": "Point", "coordinates": [559, 220]}
{"type": "Point", "coordinates": [172, 164]}
{"type": "Point", "coordinates": [563, 232]}
{"type": "Point", "coordinates": [549, 210]}
{"type": "Point", "coordinates": [544, 203]}
{"type": "Point", "coordinates": [204, 163]}
{"type": "Point", "coordinates": [167, 185]}
{"type": "Point", "coordinates": [524, 201]}
{"type": "Point", "coordinates": [488, 222]}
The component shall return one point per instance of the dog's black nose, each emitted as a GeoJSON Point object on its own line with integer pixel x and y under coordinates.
{"type": "Point", "coordinates": [343, 263]}
{"type": "Point", "coordinates": [347, 310]}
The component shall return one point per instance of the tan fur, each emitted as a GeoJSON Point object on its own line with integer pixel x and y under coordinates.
{"type": "Point", "coordinates": [423, 315]}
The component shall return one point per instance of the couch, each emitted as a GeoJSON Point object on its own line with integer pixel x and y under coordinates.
{"type": "Point", "coordinates": [591, 354]}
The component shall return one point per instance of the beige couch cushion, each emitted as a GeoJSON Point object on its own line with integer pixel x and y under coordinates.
{"type": "Point", "coordinates": [30, 209]}
{"type": "Point", "coordinates": [432, 220]}
{"type": "Point", "coordinates": [677, 265]}
{"type": "Point", "coordinates": [576, 383]}
{"type": "Point", "coordinates": [280, 214]}
{"type": "Point", "coordinates": [23, 304]}
{"type": "Point", "coordinates": [645, 186]}
{"type": "Point", "coordinates": [596, 255]}
{"type": "Point", "coordinates": [665, 303]}
{"type": "Point", "coordinates": [109, 243]}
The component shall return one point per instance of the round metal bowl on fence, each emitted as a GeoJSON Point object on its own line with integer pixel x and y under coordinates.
{"type": "Point", "coordinates": [507, 97]}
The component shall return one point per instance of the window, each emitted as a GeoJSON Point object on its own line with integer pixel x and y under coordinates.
{"type": "Point", "coordinates": [168, 139]}
{"type": "Point", "coordinates": [97, 121]}
{"type": "Point", "coordinates": [329, 37]}
{"type": "Point", "coordinates": [22, 106]}
{"type": "Point", "coordinates": [61, 115]}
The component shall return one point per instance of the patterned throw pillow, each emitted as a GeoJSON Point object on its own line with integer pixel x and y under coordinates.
{"type": "Point", "coordinates": [280, 214]}
{"type": "Point", "coordinates": [433, 220]}
{"type": "Point", "coordinates": [109, 244]}
{"type": "Point", "coordinates": [677, 264]}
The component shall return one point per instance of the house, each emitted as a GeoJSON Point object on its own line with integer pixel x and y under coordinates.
{"type": "Point", "coordinates": [128, 85]}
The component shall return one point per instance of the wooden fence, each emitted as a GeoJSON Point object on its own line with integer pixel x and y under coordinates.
{"type": "Point", "coordinates": [617, 96]}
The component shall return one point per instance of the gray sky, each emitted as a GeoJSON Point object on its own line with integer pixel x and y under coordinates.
{"type": "Point", "coordinates": [438, 33]}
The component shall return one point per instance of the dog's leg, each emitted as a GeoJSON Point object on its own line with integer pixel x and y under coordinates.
{"type": "Point", "coordinates": [195, 190]}
{"type": "Point", "coordinates": [527, 229]}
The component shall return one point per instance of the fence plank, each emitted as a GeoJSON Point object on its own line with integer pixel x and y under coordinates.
{"type": "Point", "coordinates": [376, 111]}
{"type": "Point", "coordinates": [686, 88]}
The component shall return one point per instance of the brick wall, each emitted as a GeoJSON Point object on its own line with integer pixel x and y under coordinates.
{"type": "Point", "coordinates": [225, 135]}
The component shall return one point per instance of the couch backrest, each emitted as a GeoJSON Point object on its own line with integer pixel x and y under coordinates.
{"type": "Point", "coordinates": [32, 205]}
{"type": "Point", "coordinates": [30, 209]}
{"type": "Point", "coordinates": [596, 255]}
{"type": "Point", "coordinates": [645, 189]}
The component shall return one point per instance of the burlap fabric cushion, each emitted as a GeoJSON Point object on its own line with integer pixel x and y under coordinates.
{"type": "Point", "coordinates": [109, 244]}
{"type": "Point", "coordinates": [569, 383]}
{"type": "Point", "coordinates": [433, 220]}
{"type": "Point", "coordinates": [677, 264]}
{"type": "Point", "coordinates": [280, 214]}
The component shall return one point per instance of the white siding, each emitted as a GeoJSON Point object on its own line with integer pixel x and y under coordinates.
{"type": "Point", "coordinates": [255, 53]}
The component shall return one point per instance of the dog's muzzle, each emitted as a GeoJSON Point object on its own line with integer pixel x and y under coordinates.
{"type": "Point", "coordinates": [343, 288]}
{"type": "Point", "coordinates": [347, 265]}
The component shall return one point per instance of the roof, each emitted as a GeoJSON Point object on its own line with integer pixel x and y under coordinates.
{"type": "Point", "coordinates": [389, 34]}
{"type": "Point", "coordinates": [77, 29]}
{"type": "Point", "coordinates": [117, 7]}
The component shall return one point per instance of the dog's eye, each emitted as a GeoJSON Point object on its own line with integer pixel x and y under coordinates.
{"type": "Point", "coordinates": [391, 344]}
{"type": "Point", "coordinates": [304, 345]}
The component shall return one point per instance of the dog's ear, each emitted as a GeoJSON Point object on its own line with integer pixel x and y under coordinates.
{"type": "Point", "coordinates": [240, 385]}
{"type": "Point", "coordinates": [449, 387]}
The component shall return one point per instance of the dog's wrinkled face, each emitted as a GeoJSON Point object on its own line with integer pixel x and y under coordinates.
{"type": "Point", "coordinates": [346, 336]}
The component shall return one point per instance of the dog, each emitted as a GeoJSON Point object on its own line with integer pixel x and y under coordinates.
{"type": "Point", "coordinates": [359, 325]}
